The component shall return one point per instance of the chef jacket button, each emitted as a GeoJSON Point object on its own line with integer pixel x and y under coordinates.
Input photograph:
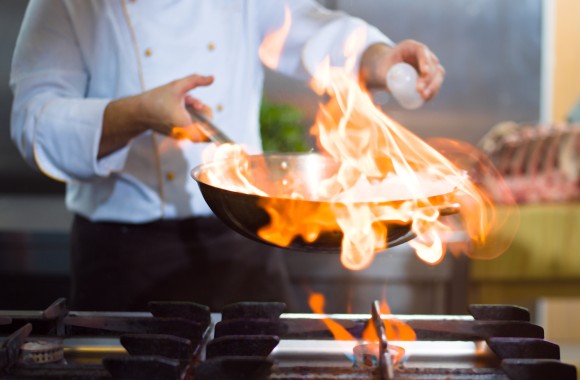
{"type": "Point", "coordinates": [148, 52]}
{"type": "Point", "coordinates": [219, 107]}
{"type": "Point", "coordinates": [210, 46]}
{"type": "Point", "coordinates": [170, 176]}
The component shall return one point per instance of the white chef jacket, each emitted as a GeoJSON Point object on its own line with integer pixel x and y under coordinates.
{"type": "Point", "coordinates": [73, 57]}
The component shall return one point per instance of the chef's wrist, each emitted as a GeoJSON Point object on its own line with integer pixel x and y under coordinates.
{"type": "Point", "coordinates": [123, 120]}
{"type": "Point", "coordinates": [374, 65]}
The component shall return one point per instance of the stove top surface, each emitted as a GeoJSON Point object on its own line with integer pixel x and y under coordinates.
{"type": "Point", "coordinates": [257, 341]}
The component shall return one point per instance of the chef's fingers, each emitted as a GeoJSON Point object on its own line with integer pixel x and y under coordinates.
{"type": "Point", "coordinates": [432, 83]}
{"type": "Point", "coordinates": [195, 103]}
{"type": "Point", "coordinates": [192, 131]}
{"type": "Point", "coordinates": [431, 72]}
{"type": "Point", "coordinates": [199, 106]}
{"type": "Point", "coordinates": [190, 82]}
{"type": "Point", "coordinates": [435, 85]}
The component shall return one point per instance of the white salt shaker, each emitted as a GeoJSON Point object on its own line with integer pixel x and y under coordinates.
{"type": "Point", "coordinates": [402, 82]}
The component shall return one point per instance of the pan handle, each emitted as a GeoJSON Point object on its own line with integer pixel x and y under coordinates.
{"type": "Point", "coordinates": [449, 209]}
{"type": "Point", "coordinates": [208, 128]}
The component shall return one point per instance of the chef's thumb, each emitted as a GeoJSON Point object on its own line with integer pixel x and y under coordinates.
{"type": "Point", "coordinates": [192, 81]}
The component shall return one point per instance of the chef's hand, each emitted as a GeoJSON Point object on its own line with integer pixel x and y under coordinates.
{"type": "Point", "coordinates": [161, 109]}
{"type": "Point", "coordinates": [191, 131]}
{"type": "Point", "coordinates": [379, 58]}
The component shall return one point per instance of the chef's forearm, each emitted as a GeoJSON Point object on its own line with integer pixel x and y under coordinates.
{"type": "Point", "coordinates": [121, 123]}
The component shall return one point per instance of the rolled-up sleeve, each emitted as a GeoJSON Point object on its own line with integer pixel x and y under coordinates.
{"type": "Point", "coordinates": [55, 127]}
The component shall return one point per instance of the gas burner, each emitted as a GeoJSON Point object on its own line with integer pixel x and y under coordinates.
{"type": "Point", "coordinates": [367, 355]}
{"type": "Point", "coordinates": [41, 351]}
{"type": "Point", "coordinates": [249, 340]}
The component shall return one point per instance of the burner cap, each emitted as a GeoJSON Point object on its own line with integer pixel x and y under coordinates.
{"type": "Point", "coordinates": [367, 354]}
{"type": "Point", "coordinates": [41, 351]}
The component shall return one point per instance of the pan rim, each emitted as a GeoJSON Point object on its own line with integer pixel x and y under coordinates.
{"type": "Point", "coordinates": [198, 170]}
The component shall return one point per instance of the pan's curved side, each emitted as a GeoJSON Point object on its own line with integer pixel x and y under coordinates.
{"type": "Point", "coordinates": [238, 211]}
{"type": "Point", "coordinates": [242, 213]}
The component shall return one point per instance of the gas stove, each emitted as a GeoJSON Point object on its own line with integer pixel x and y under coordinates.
{"type": "Point", "coordinates": [249, 340]}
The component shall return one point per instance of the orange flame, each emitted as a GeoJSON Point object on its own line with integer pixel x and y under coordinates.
{"type": "Point", "coordinates": [271, 48]}
{"type": "Point", "coordinates": [387, 176]}
{"type": "Point", "coordinates": [491, 228]}
{"type": "Point", "coordinates": [316, 303]}
{"type": "Point", "coordinates": [388, 180]}
{"type": "Point", "coordinates": [394, 328]}
{"type": "Point", "coordinates": [236, 177]}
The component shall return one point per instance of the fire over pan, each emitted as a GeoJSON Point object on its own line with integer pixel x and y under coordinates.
{"type": "Point", "coordinates": [243, 212]}
{"type": "Point", "coordinates": [275, 173]}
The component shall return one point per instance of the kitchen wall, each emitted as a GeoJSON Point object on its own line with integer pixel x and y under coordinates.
{"type": "Point", "coordinates": [491, 50]}
{"type": "Point", "coordinates": [16, 176]}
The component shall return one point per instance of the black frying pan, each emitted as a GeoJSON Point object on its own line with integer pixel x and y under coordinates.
{"type": "Point", "coordinates": [244, 213]}
{"type": "Point", "coordinates": [301, 172]}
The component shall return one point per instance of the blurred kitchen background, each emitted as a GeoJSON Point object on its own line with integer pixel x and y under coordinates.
{"type": "Point", "coordinates": [515, 61]}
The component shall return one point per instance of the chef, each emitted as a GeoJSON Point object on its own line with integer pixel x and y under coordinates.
{"type": "Point", "coordinates": [99, 87]}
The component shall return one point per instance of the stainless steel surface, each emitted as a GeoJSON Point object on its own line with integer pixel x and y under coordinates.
{"type": "Point", "coordinates": [339, 353]}
{"type": "Point", "coordinates": [458, 354]}
{"type": "Point", "coordinates": [491, 50]}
